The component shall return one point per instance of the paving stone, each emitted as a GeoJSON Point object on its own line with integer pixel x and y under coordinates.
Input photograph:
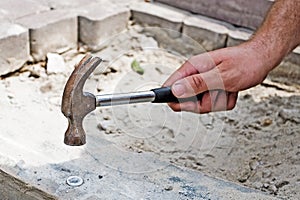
{"type": "Point", "coordinates": [289, 69]}
{"type": "Point", "coordinates": [239, 12]}
{"type": "Point", "coordinates": [238, 36]}
{"type": "Point", "coordinates": [294, 57]}
{"type": "Point", "coordinates": [98, 23]}
{"type": "Point", "coordinates": [52, 31]}
{"type": "Point", "coordinates": [65, 4]}
{"type": "Point", "coordinates": [12, 58]}
{"type": "Point", "coordinates": [157, 15]}
{"type": "Point", "coordinates": [209, 33]}
{"type": "Point", "coordinates": [14, 9]}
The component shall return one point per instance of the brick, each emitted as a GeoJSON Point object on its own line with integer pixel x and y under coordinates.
{"type": "Point", "coordinates": [239, 12]}
{"type": "Point", "coordinates": [98, 23]}
{"type": "Point", "coordinates": [52, 31]}
{"type": "Point", "coordinates": [14, 9]}
{"type": "Point", "coordinates": [209, 33]}
{"type": "Point", "coordinates": [14, 47]}
{"type": "Point", "coordinates": [157, 15]}
{"type": "Point", "coordinates": [238, 36]}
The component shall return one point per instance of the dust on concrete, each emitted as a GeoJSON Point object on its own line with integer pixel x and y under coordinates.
{"type": "Point", "coordinates": [257, 144]}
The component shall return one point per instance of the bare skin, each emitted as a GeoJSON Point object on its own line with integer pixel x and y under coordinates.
{"type": "Point", "coordinates": [219, 75]}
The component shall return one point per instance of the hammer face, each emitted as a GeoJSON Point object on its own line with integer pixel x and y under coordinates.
{"type": "Point", "coordinates": [74, 135]}
{"type": "Point", "coordinates": [80, 107]}
{"type": "Point", "coordinates": [76, 104]}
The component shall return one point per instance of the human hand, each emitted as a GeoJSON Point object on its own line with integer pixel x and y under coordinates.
{"type": "Point", "coordinates": [218, 75]}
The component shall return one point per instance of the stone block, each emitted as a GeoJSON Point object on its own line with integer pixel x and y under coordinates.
{"type": "Point", "coordinates": [244, 13]}
{"type": "Point", "coordinates": [52, 31]}
{"type": "Point", "coordinates": [294, 56]}
{"type": "Point", "coordinates": [14, 47]}
{"type": "Point", "coordinates": [287, 73]}
{"type": "Point", "coordinates": [209, 33]}
{"type": "Point", "coordinates": [14, 9]}
{"type": "Point", "coordinates": [237, 36]}
{"type": "Point", "coordinates": [98, 23]}
{"type": "Point", "coordinates": [65, 4]}
{"type": "Point", "coordinates": [157, 15]}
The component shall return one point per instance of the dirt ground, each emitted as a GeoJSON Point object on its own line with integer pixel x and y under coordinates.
{"type": "Point", "coordinates": [257, 144]}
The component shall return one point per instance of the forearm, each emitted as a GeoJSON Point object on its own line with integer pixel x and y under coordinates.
{"type": "Point", "coordinates": [279, 33]}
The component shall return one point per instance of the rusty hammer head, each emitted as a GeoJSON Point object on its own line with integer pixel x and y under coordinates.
{"type": "Point", "coordinates": [76, 104]}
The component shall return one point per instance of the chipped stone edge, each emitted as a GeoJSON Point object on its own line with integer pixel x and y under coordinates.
{"type": "Point", "coordinates": [15, 186]}
{"type": "Point", "coordinates": [18, 57]}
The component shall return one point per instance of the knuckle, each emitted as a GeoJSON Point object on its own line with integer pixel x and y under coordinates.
{"type": "Point", "coordinates": [175, 108]}
{"type": "Point", "coordinates": [205, 110]}
{"type": "Point", "coordinates": [232, 98]}
{"type": "Point", "coordinates": [231, 106]}
{"type": "Point", "coordinates": [197, 82]}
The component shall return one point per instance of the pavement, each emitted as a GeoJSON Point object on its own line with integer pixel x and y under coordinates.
{"type": "Point", "coordinates": [36, 164]}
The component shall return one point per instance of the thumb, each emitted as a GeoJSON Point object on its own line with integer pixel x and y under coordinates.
{"type": "Point", "coordinates": [197, 83]}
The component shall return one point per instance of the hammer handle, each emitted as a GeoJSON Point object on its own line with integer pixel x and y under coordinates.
{"type": "Point", "coordinates": [165, 95]}
{"type": "Point", "coordinates": [157, 95]}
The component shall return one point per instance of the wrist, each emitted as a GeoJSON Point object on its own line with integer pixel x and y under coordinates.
{"type": "Point", "coordinates": [266, 53]}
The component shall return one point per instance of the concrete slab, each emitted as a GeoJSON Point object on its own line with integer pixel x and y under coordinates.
{"type": "Point", "coordinates": [36, 163]}
{"type": "Point", "coordinates": [209, 33]}
{"type": "Point", "coordinates": [14, 9]}
{"type": "Point", "coordinates": [12, 36]}
{"type": "Point", "coordinates": [43, 163]}
{"type": "Point", "coordinates": [52, 31]}
{"type": "Point", "coordinates": [98, 23]}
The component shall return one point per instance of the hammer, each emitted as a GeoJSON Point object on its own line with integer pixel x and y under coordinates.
{"type": "Point", "coordinates": [76, 104]}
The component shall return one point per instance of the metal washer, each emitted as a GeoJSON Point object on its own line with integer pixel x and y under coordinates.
{"type": "Point", "coordinates": [74, 181]}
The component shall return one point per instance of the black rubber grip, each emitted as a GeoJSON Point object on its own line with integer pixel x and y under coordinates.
{"type": "Point", "coordinates": [165, 95]}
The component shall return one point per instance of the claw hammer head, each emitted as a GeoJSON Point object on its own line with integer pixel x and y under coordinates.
{"type": "Point", "coordinates": [76, 104]}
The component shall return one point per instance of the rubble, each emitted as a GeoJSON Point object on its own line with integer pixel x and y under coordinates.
{"type": "Point", "coordinates": [55, 63]}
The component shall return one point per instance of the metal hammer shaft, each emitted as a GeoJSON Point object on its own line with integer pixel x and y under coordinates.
{"type": "Point", "coordinates": [124, 98]}
{"type": "Point", "coordinates": [158, 95]}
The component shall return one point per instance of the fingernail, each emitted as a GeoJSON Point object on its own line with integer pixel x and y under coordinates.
{"type": "Point", "coordinates": [178, 89]}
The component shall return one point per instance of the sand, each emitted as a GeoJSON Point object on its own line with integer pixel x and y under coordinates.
{"type": "Point", "coordinates": [257, 144]}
